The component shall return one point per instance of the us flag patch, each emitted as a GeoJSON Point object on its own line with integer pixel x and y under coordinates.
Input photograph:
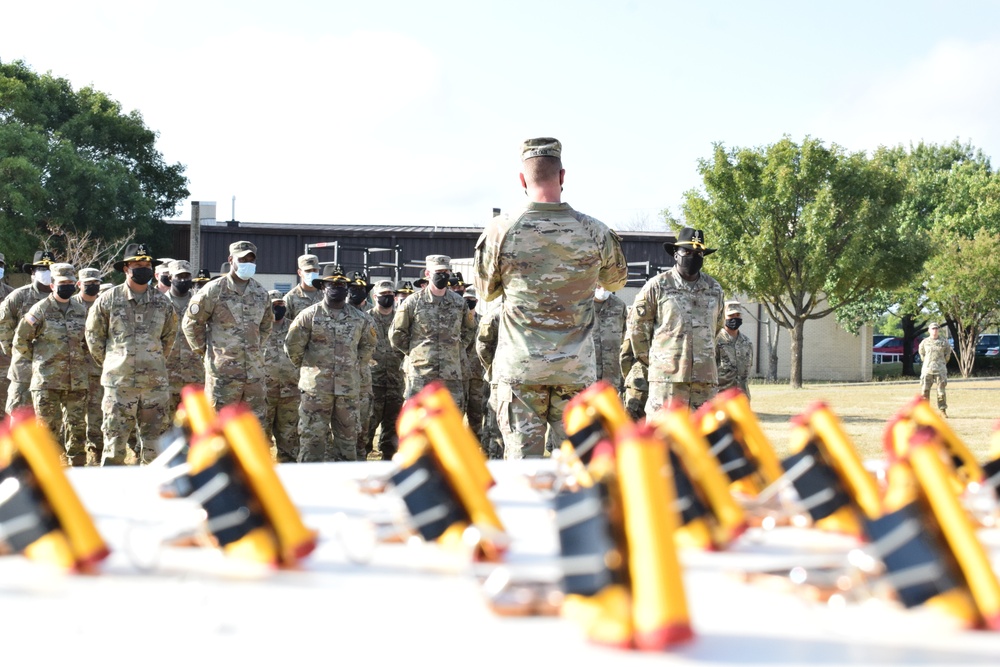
{"type": "Point", "coordinates": [31, 319]}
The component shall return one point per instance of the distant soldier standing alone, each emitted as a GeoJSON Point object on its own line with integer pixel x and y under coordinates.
{"type": "Point", "coordinates": [934, 354]}
{"type": "Point", "coordinates": [733, 351]}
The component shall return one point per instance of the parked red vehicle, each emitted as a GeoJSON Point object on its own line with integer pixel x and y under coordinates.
{"type": "Point", "coordinates": [891, 349]}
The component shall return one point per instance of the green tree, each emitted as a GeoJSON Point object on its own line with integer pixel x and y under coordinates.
{"type": "Point", "coordinates": [803, 229]}
{"type": "Point", "coordinates": [72, 160]}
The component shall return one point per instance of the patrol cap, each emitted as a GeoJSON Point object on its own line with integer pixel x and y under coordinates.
{"type": "Point", "coordinates": [309, 262]}
{"type": "Point", "coordinates": [470, 292]}
{"type": "Point", "coordinates": [275, 295]}
{"type": "Point", "coordinates": [89, 274]}
{"type": "Point", "coordinates": [164, 265]}
{"type": "Point", "coordinates": [42, 259]}
{"type": "Point", "coordinates": [404, 287]}
{"type": "Point", "coordinates": [3, 260]}
{"type": "Point", "coordinates": [241, 249]}
{"type": "Point", "coordinates": [136, 252]}
{"type": "Point", "coordinates": [438, 263]}
{"type": "Point", "coordinates": [179, 266]}
{"type": "Point", "coordinates": [383, 287]}
{"type": "Point", "coordinates": [541, 147]}
{"type": "Point", "coordinates": [734, 308]}
{"type": "Point", "coordinates": [63, 273]}
{"type": "Point", "coordinates": [224, 269]}
{"type": "Point", "coordinates": [332, 273]}
{"type": "Point", "coordinates": [933, 325]}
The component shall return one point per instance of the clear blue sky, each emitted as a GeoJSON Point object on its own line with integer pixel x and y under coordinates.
{"type": "Point", "coordinates": [412, 112]}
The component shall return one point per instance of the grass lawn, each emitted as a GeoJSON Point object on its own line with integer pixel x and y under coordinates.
{"type": "Point", "coordinates": [865, 408]}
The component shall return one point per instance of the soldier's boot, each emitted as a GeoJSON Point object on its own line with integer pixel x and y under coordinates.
{"type": "Point", "coordinates": [78, 460]}
{"type": "Point", "coordinates": [93, 456]}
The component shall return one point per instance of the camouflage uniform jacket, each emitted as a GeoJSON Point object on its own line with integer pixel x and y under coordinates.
{"type": "Point", "coordinates": [298, 299]}
{"type": "Point", "coordinates": [546, 263]}
{"type": "Point", "coordinates": [93, 368]}
{"type": "Point", "coordinates": [473, 366]}
{"type": "Point", "coordinates": [672, 327]}
{"type": "Point", "coordinates": [184, 367]}
{"type": "Point", "coordinates": [131, 335]}
{"type": "Point", "coordinates": [230, 329]}
{"type": "Point", "coordinates": [486, 341]}
{"type": "Point", "coordinates": [282, 378]}
{"type": "Point", "coordinates": [14, 307]}
{"type": "Point", "coordinates": [50, 337]}
{"type": "Point", "coordinates": [329, 346]}
{"type": "Point", "coordinates": [934, 355]}
{"type": "Point", "coordinates": [734, 356]}
{"type": "Point", "coordinates": [388, 369]}
{"type": "Point", "coordinates": [608, 334]}
{"type": "Point", "coordinates": [433, 332]}
{"type": "Point", "coordinates": [5, 290]}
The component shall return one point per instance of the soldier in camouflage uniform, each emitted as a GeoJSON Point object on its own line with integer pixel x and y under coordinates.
{"type": "Point", "coordinates": [387, 373]}
{"type": "Point", "coordinates": [546, 262]}
{"type": "Point", "coordinates": [486, 349]}
{"type": "Point", "coordinates": [203, 278]}
{"type": "Point", "coordinates": [433, 328]}
{"type": "Point", "coordinates": [130, 331]}
{"type": "Point", "coordinates": [609, 331]}
{"type": "Point", "coordinates": [5, 290]}
{"type": "Point", "coordinates": [404, 288]}
{"type": "Point", "coordinates": [161, 272]}
{"type": "Point", "coordinates": [357, 296]}
{"type": "Point", "coordinates": [13, 308]}
{"type": "Point", "coordinates": [934, 354]}
{"type": "Point", "coordinates": [329, 343]}
{"type": "Point", "coordinates": [89, 287]}
{"type": "Point", "coordinates": [733, 351]}
{"type": "Point", "coordinates": [672, 326]}
{"type": "Point", "coordinates": [50, 337]}
{"type": "Point", "coordinates": [282, 380]}
{"type": "Point", "coordinates": [636, 390]}
{"type": "Point", "coordinates": [304, 294]}
{"type": "Point", "coordinates": [475, 387]}
{"type": "Point", "coordinates": [228, 322]}
{"type": "Point", "coordinates": [184, 367]}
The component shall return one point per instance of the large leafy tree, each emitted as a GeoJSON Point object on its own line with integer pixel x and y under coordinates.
{"type": "Point", "coordinates": [71, 159]}
{"type": "Point", "coordinates": [804, 229]}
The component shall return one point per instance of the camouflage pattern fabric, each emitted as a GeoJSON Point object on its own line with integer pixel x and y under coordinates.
{"type": "Point", "coordinates": [519, 409]}
{"type": "Point", "coordinates": [672, 326]}
{"type": "Point", "coordinates": [386, 405]}
{"type": "Point", "coordinates": [388, 369]}
{"type": "Point", "coordinates": [329, 346]}
{"type": "Point", "coordinates": [12, 309]}
{"type": "Point", "coordinates": [734, 357]}
{"type": "Point", "coordinates": [636, 391]}
{"type": "Point", "coordinates": [5, 291]}
{"type": "Point", "coordinates": [433, 332]}
{"type": "Point", "coordinates": [95, 393]}
{"type": "Point", "coordinates": [608, 334]}
{"type": "Point", "coordinates": [298, 299]}
{"type": "Point", "coordinates": [934, 355]}
{"type": "Point", "coordinates": [387, 387]}
{"type": "Point", "coordinates": [127, 407]}
{"type": "Point", "coordinates": [692, 394]}
{"type": "Point", "coordinates": [55, 406]}
{"type": "Point", "coordinates": [184, 367]}
{"type": "Point", "coordinates": [282, 381]}
{"type": "Point", "coordinates": [228, 323]}
{"type": "Point", "coordinates": [474, 386]}
{"type": "Point", "coordinates": [486, 348]}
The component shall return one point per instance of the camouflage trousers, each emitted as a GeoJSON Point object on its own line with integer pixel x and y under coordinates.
{"type": "Point", "coordinates": [50, 406]}
{"type": "Point", "coordinates": [95, 415]}
{"type": "Point", "coordinates": [386, 403]}
{"type": "Point", "coordinates": [476, 405]}
{"type": "Point", "coordinates": [282, 424]}
{"type": "Point", "coordinates": [635, 402]}
{"type": "Point", "coordinates": [126, 408]}
{"type": "Point", "coordinates": [18, 394]}
{"type": "Point", "coordinates": [414, 384]}
{"type": "Point", "coordinates": [691, 394]}
{"type": "Point", "coordinates": [4, 386]}
{"type": "Point", "coordinates": [229, 391]}
{"type": "Point", "coordinates": [927, 381]}
{"type": "Point", "coordinates": [491, 440]}
{"type": "Point", "coordinates": [328, 428]}
{"type": "Point", "coordinates": [364, 444]}
{"type": "Point", "coordinates": [528, 415]}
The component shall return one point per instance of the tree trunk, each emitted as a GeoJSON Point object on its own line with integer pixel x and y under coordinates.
{"type": "Point", "coordinates": [910, 332]}
{"type": "Point", "coordinates": [772, 351]}
{"type": "Point", "coordinates": [796, 367]}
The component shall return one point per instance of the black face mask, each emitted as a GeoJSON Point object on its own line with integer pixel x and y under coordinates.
{"type": "Point", "coordinates": [92, 289]}
{"type": "Point", "coordinates": [690, 265]}
{"type": "Point", "coordinates": [334, 294]}
{"type": "Point", "coordinates": [358, 295]}
{"type": "Point", "coordinates": [142, 275]}
{"type": "Point", "coordinates": [65, 291]}
{"type": "Point", "coordinates": [734, 322]}
{"type": "Point", "coordinates": [386, 300]}
{"type": "Point", "coordinates": [182, 286]}
{"type": "Point", "coordinates": [439, 280]}
{"type": "Point", "coordinates": [279, 312]}
{"type": "Point", "coordinates": [165, 280]}
{"type": "Point", "coordinates": [472, 303]}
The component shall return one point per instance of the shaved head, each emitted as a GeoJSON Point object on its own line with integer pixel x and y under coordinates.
{"type": "Point", "coordinates": [542, 169]}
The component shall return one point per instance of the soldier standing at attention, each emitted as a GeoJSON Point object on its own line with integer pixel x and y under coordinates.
{"type": "Point", "coordinates": [329, 343]}
{"type": "Point", "coordinates": [934, 354]}
{"type": "Point", "coordinates": [89, 287]}
{"type": "Point", "coordinates": [163, 276]}
{"type": "Point", "coordinates": [475, 387]}
{"type": "Point", "coordinates": [50, 337]}
{"type": "Point", "coordinates": [303, 294]}
{"type": "Point", "coordinates": [282, 380]}
{"type": "Point", "coordinates": [404, 288]}
{"type": "Point", "coordinates": [357, 296]}
{"type": "Point", "coordinates": [610, 312]}
{"type": "Point", "coordinates": [672, 326]}
{"type": "Point", "coordinates": [433, 328]}
{"type": "Point", "coordinates": [5, 290]}
{"type": "Point", "coordinates": [546, 263]}
{"type": "Point", "coordinates": [733, 351]}
{"type": "Point", "coordinates": [486, 349]}
{"type": "Point", "coordinates": [130, 331]}
{"type": "Point", "coordinates": [203, 278]}
{"type": "Point", "coordinates": [387, 373]}
{"type": "Point", "coordinates": [184, 367]}
{"type": "Point", "coordinates": [228, 321]}
{"type": "Point", "coordinates": [13, 308]}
